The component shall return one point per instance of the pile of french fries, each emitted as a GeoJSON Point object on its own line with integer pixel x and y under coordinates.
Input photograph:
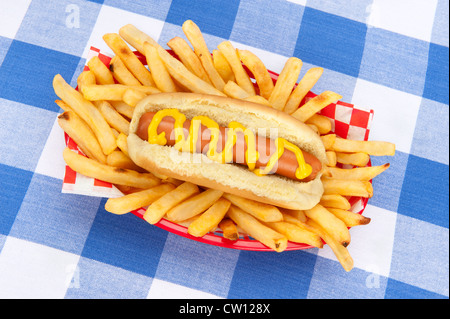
{"type": "Point", "coordinates": [97, 117]}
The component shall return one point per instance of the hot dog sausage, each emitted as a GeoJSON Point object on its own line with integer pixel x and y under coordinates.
{"type": "Point", "coordinates": [286, 165]}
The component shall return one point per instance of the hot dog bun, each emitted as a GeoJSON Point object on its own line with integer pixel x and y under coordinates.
{"type": "Point", "coordinates": [235, 179]}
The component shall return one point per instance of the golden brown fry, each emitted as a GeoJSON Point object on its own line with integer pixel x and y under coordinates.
{"type": "Point", "coordinates": [335, 201]}
{"type": "Point", "coordinates": [160, 74]}
{"type": "Point", "coordinates": [94, 169]}
{"type": "Point", "coordinates": [285, 83]}
{"type": "Point", "coordinates": [356, 159]}
{"type": "Point", "coordinates": [229, 229]}
{"type": "Point", "coordinates": [194, 35]}
{"type": "Point", "coordinates": [223, 67]}
{"type": "Point", "coordinates": [358, 173]}
{"type": "Point", "coordinates": [350, 219]}
{"type": "Point", "coordinates": [136, 37]}
{"type": "Point", "coordinates": [210, 219]}
{"type": "Point", "coordinates": [123, 108]}
{"type": "Point", "coordinates": [122, 143]}
{"type": "Point", "coordinates": [187, 56]}
{"type": "Point", "coordinates": [296, 234]}
{"type": "Point", "coordinates": [332, 225]}
{"type": "Point", "coordinates": [194, 205]}
{"type": "Point", "coordinates": [80, 132]}
{"type": "Point", "coordinates": [376, 148]}
{"type": "Point", "coordinates": [63, 105]}
{"type": "Point", "coordinates": [85, 78]}
{"type": "Point", "coordinates": [341, 252]}
{"type": "Point", "coordinates": [257, 230]}
{"type": "Point", "coordinates": [242, 78]}
{"type": "Point", "coordinates": [316, 104]}
{"type": "Point", "coordinates": [121, 73]}
{"type": "Point", "coordinates": [323, 123]}
{"type": "Point", "coordinates": [304, 86]}
{"type": "Point", "coordinates": [185, 77]}
{"type": "Point", "coordinates": [259, 71]}
{"type": "Point", "coordinates": [121, 49]}
{"type": "Point", "coordinates": [264, 212]}
{"type": "Point", "coordinates": [331, 158]}
{"type": "Point", "coordinates": [121, 160]}
{"type": "Point", "coordinates": [113, 92]}
{"type": "Point", "coordinates": [235, 91]}
{"type": "Point", "coordinates": [159, 208]}
{"type": "Point", "coordinates": [133, 96]}
{"type": "Point", "coordinates": [113, 117]}
{"type": "Point", "coordinates": [258, 99]}
{"type": "Point", "coordinates": [100, 70]}
{"type": "Point", "coordinates": [88, 112]}
{"type": "Point", "coordinates": [298, 214]}
{"type": "Point", "coordinates": [347, 187]}
{"type": "Point", "coordinates": [328, 140]}
{"type": "Point", "coordinates": [136, 200]}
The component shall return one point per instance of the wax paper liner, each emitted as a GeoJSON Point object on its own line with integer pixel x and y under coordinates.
{"type": "Point", "coordinates": [348, 121]}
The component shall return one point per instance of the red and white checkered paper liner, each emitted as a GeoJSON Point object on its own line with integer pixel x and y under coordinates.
{"type": "Point", "coordinates": [348, 121]}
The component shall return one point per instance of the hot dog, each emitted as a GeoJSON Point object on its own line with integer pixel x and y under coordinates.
{"type": "Point", "coordinates": [286, 166]}
{"type": "Point", "coordinates": [169, 128]}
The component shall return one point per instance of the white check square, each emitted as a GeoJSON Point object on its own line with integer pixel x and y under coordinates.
{"type": "Point", "coordinates": [11, 16]}
{"type": "Point", "coordinates": [416, 21]}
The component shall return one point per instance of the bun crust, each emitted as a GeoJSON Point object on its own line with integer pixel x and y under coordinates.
{"type": "Point", "coordinates": [230, 178]}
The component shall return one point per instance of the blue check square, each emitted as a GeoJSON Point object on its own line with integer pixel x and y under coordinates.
{"type": "Point", "coordinates": [424, 193]}
{"type": "Point", "coordinates": [268, 24]}
{"type": "Point", "coordinates": [14, 184]}
{"type": "Point", "coordinates": [331, 41]}
{"type": "Point", "coordinates": [61, 25]}
{"type": "Point", "coordinates": [272, 275]}
{"type": "Point", "coordinates": [157, 9]}
{"type": "Point", "coordinates": [436, 82]}
{"type": "Point", "coordinates": [125, 241]}
{"type": "Point", "coordinates": [27, 73]}
{"type": "Point", "coordinates": [395, 61]}
{"type": "Point", "coordinates": [212, 17]}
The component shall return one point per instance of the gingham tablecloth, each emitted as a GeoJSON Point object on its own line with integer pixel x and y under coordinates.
{"type": "Point", "coordinates": [389, 56]}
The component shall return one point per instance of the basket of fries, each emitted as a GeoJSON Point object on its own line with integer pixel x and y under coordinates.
{"type": "Point", "coordinates": [98, 164]}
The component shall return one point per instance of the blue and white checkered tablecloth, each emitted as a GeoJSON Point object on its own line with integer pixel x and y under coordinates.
{"type": "Point", "coordinates": [390, 56]}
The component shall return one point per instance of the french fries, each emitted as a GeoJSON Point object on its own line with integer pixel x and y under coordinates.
{"type": "Point", "coordinates": [257, 230]}
{"type": "Point", "coordinates": [264, 212]}
{"type": "Point", "coordinates": [304, 86]}
{"type": "Point", "coordinates": [103, 172]}
{"type": "Point", "coordinates": [97, 118]}
{"type": "Point", "coordinates": [88, 112]}
{"type": "Point", "coordinates": [316, 104]}
{"type": "Point", "coordinates": [161, 76]}
{"type": "Point", "coordinates": [194, 35]}
{"type": "Point", "coordinates": [159, 208]}
{"type": "Point", "coordinates": [130, 202]}
{"type": "Point", "coordinates": [210, 219]}
{"type": "Point", "coordinates": [285, 83]}
{"type": "Point", "coordinates": [259, 71]}
{"type": "Point", "coordinates": [194, 205]}
{"type": "Point", "coordinates": [121, 49]}
{"type": "Point", "coordinates": [188, 57]}
{"type": "Point", "coordinates": [242, 78]}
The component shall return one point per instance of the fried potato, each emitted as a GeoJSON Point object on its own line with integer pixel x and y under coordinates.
{"type": "Point", "coordinates": [376, 148]}
{"type": "Point", "coordinates": [285, 83]}
{"type": "Point", "coordinates": [264, 212]}
{"type": "Point", "coordinates": [257, 230]}
{"type": "Point", "coordinates": [121, 73]}
{"type": "Point", "coordinates": [303, 87]}
{"type": "Point", "coordinates": [100, 70]}
{"type": "Point", "coordinates": [136, 200]}
{"type": "Point", "coordinates": [315, 105]}
{"type": "Point", "coordinates": [160, 74]}
{"type": "Point", "coordinates": [121, 49]}
{"type": "Point", "coordinates": [80, 132]}
{"type": "Point", "coordinates": [347, 187]}
{"type": "Point", "coordinates": [242, 78]}
{"type": "Point", "coordinates": [160, 207]}
{"type": "Point", "coordinates": [194, 35]}
{"type": "Point", "coordinates": [350, 219]}
{"type": "Point", "coordinates": [103, 172]}
{"type": "Point", "coordinates": [223, 67]}
{"type": "Point", "coordinates": [210, 219]}
{"type": "Point", "coordinates": [259, 71]}
{"type": "Point", "coordinates": [88, 112]}
{"type": "Point", "coordinates": [229, 229]}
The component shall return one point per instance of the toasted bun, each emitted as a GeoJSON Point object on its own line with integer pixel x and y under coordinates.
{"type": "Point", "coordinates": [230, 178]}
